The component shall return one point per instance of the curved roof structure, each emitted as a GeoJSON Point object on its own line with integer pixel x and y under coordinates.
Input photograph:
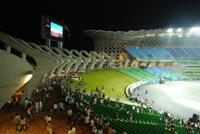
{"type": "Point", "coordinates": [112, 42]}
{"type": "Point", "coordinates": [44, 62]}
{"type": "Point", "coordinates": [132, 35]}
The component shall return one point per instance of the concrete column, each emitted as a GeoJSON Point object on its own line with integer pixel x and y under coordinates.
{"type": "Point", "coordinates": [8, 49]}
{"type": "Point", "coordinates": [48, 42]}
{"type": "Point", "coordinates": [60, 44]}
{"type": "Point", "coordinates": [23, 56]}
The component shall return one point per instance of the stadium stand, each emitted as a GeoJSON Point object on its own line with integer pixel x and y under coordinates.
{"type": "Point", "coordinates": [131, 118]}
{"type": "Point", "coordinates": [164, 53]}
{"type": "Point", "coordinates": [44, 63]}
{"type": "Point", "coordinates": [137, 73]}
{"type": "Point", "coordinates": [101, 59]}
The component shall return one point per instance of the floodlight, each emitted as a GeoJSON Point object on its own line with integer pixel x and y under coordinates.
{"type": "Point", "coordinates": [180, 36]}
{"type": "Point", "coordinates": [179, 29]}
{"type": "Point", "coordinates": [28, 76]}
{"type": "Point", "coordinates": [195, 29]}
{"type": "Point", "coordinates": [170, 30]}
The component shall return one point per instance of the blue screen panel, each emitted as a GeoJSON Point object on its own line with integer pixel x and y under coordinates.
{"type": "Point", "coordinates": [56, 30]}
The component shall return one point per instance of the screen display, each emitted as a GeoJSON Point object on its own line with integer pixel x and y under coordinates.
{"type": "Point", "coordinates": [56, 30]}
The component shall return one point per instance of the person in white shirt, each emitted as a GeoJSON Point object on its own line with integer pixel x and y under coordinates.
{"type": "Point", "coordinates": [91, 123]}
{"type": "Point", "coordinates": [99, 131]}
{"type": "Point", "coordinates": [72, 130]}
{"type": "Point", "coordinates": [71, 101]}
{"type": "Point", "coordinates": [87, 119]}
{"type": "Point", "coordinates": [48, 118]}
{"type": "Point", "coordinates": [54, 82]}
{"type": "Point", "coordinates": [62, 89]}
{"type": "Point", "coordinates": [37, 90]}
{"type": "Point", "coordinates": [94, 130]}
{"type": "Point", "coordinates": [55, 107]}
{"type": "Point", "coordinates": [37, 106]}
{"type": "Point", "coordinates": [16, 120]}
{"type": "Point", "coordinates": [40, 105]}
{"type": "Point", "coordinates": [23, 123]}
{"type": "Point", "coordinates": [69, 114]}
{"type": "Point", "coordinates": [29, 112]}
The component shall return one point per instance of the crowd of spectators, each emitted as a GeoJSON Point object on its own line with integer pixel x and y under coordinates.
{"type": "Point", "coordinates": [71, 102]}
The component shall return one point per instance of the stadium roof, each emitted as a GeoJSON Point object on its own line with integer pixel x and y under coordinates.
{"type": "Point", "coordinates": [134, 34]}
{"type": "Point", "coordinates": [105, 15]}
{"type": "Point", "coordinates": [169, 37]}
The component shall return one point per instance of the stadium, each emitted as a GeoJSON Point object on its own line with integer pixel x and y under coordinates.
{"type": "Point", "coordinates": [133, 82]}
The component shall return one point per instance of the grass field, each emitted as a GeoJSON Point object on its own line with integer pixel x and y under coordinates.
{"type": "Point", "coordinates": [109, 79]}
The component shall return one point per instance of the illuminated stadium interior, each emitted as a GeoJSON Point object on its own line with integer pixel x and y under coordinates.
{"type": "Point", "coordinates": [143, 81]}
{"type": "Point", "coordinates": [166, 71]}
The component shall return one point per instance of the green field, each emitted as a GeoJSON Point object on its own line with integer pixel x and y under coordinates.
{"type": "Point", "coordinates": [109, 79]}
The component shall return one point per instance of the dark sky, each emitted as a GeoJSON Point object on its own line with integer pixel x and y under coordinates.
{"type": "Point", "coordinates": [24, 21]}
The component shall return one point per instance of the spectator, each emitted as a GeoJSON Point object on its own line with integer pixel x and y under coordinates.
{"type": "Point", "coordinates": [55, 107]}
{"type": "Point", "coordinates": [111, 130]}
{"type": "Point", "coordinates": [16, 120]}
{"type": "Point", "coordinates": [47, 96]}
{"type": "Point", "coordinates": [40, 105]}
{"type": "Point", "coordinates": [23, 125]}
{"type": "Point", "coordinates": [69, 114]}
{"type": "Point", "coordinates": [48, 118]}
{"type": "Point", "coordinates": [8, 105]}
{"type": "Point", "coordinates": [130, 116]}
{"type": "Point", "coordinates": [91, 123]}
{"type": "Point", "coordinates": [33, 108]}
{"type": "Point", "coordinates": [100, 131]}
{"type": "Point", "coordinates": [87, 119]}
{"type": "Point", "coordinates": [28, 112]}
{"type": "Point", "coordinates": [115, 115]}
{"type": "Point", "coordinates": [94, 130]}
{"type": "Point", "coordinates": [36, 106]}
{"type": "Point", "coordinates": [61, 106]}
{"type": "Point", "coordinates": [106, 127]}
{"type": "Point", "coordinates": [29, 103]}
{"type": "Point", "coordinates": [124, 132]}
{"type": "Point", "coordinates": [49, 128]}
{"type": "Point", "coordinates": [25, 103]}
{"type": "Point", "coordinates": [72, 130]}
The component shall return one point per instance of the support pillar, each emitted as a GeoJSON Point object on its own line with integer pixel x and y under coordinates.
{"type": "Point", "coordinates": [48, 42]}
{"type": "Point", "coordinates": [8, 49]}
{"type": "Point", "coordinates": [23, 56]}
{"type": "Point", "coordinates": [60, 44]}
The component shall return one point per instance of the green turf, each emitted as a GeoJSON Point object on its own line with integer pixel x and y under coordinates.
{"type": "Point", "coordinates": [109, 79]}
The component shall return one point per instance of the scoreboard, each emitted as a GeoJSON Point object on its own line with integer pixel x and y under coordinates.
{"type": "Point", "coordinates": [51, 29]}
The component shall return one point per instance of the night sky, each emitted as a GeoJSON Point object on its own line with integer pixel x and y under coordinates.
{"type": "Point", "coordinates": [24, 21]}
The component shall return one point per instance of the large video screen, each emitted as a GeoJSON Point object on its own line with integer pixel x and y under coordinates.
{"type": "Point", "coordinates": [56, 30]}
{"type": "Point", "coordinates": [52, 29]}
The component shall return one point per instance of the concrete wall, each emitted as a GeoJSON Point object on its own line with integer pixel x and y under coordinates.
{"type": "Point", "coordinates": [13, 71]}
